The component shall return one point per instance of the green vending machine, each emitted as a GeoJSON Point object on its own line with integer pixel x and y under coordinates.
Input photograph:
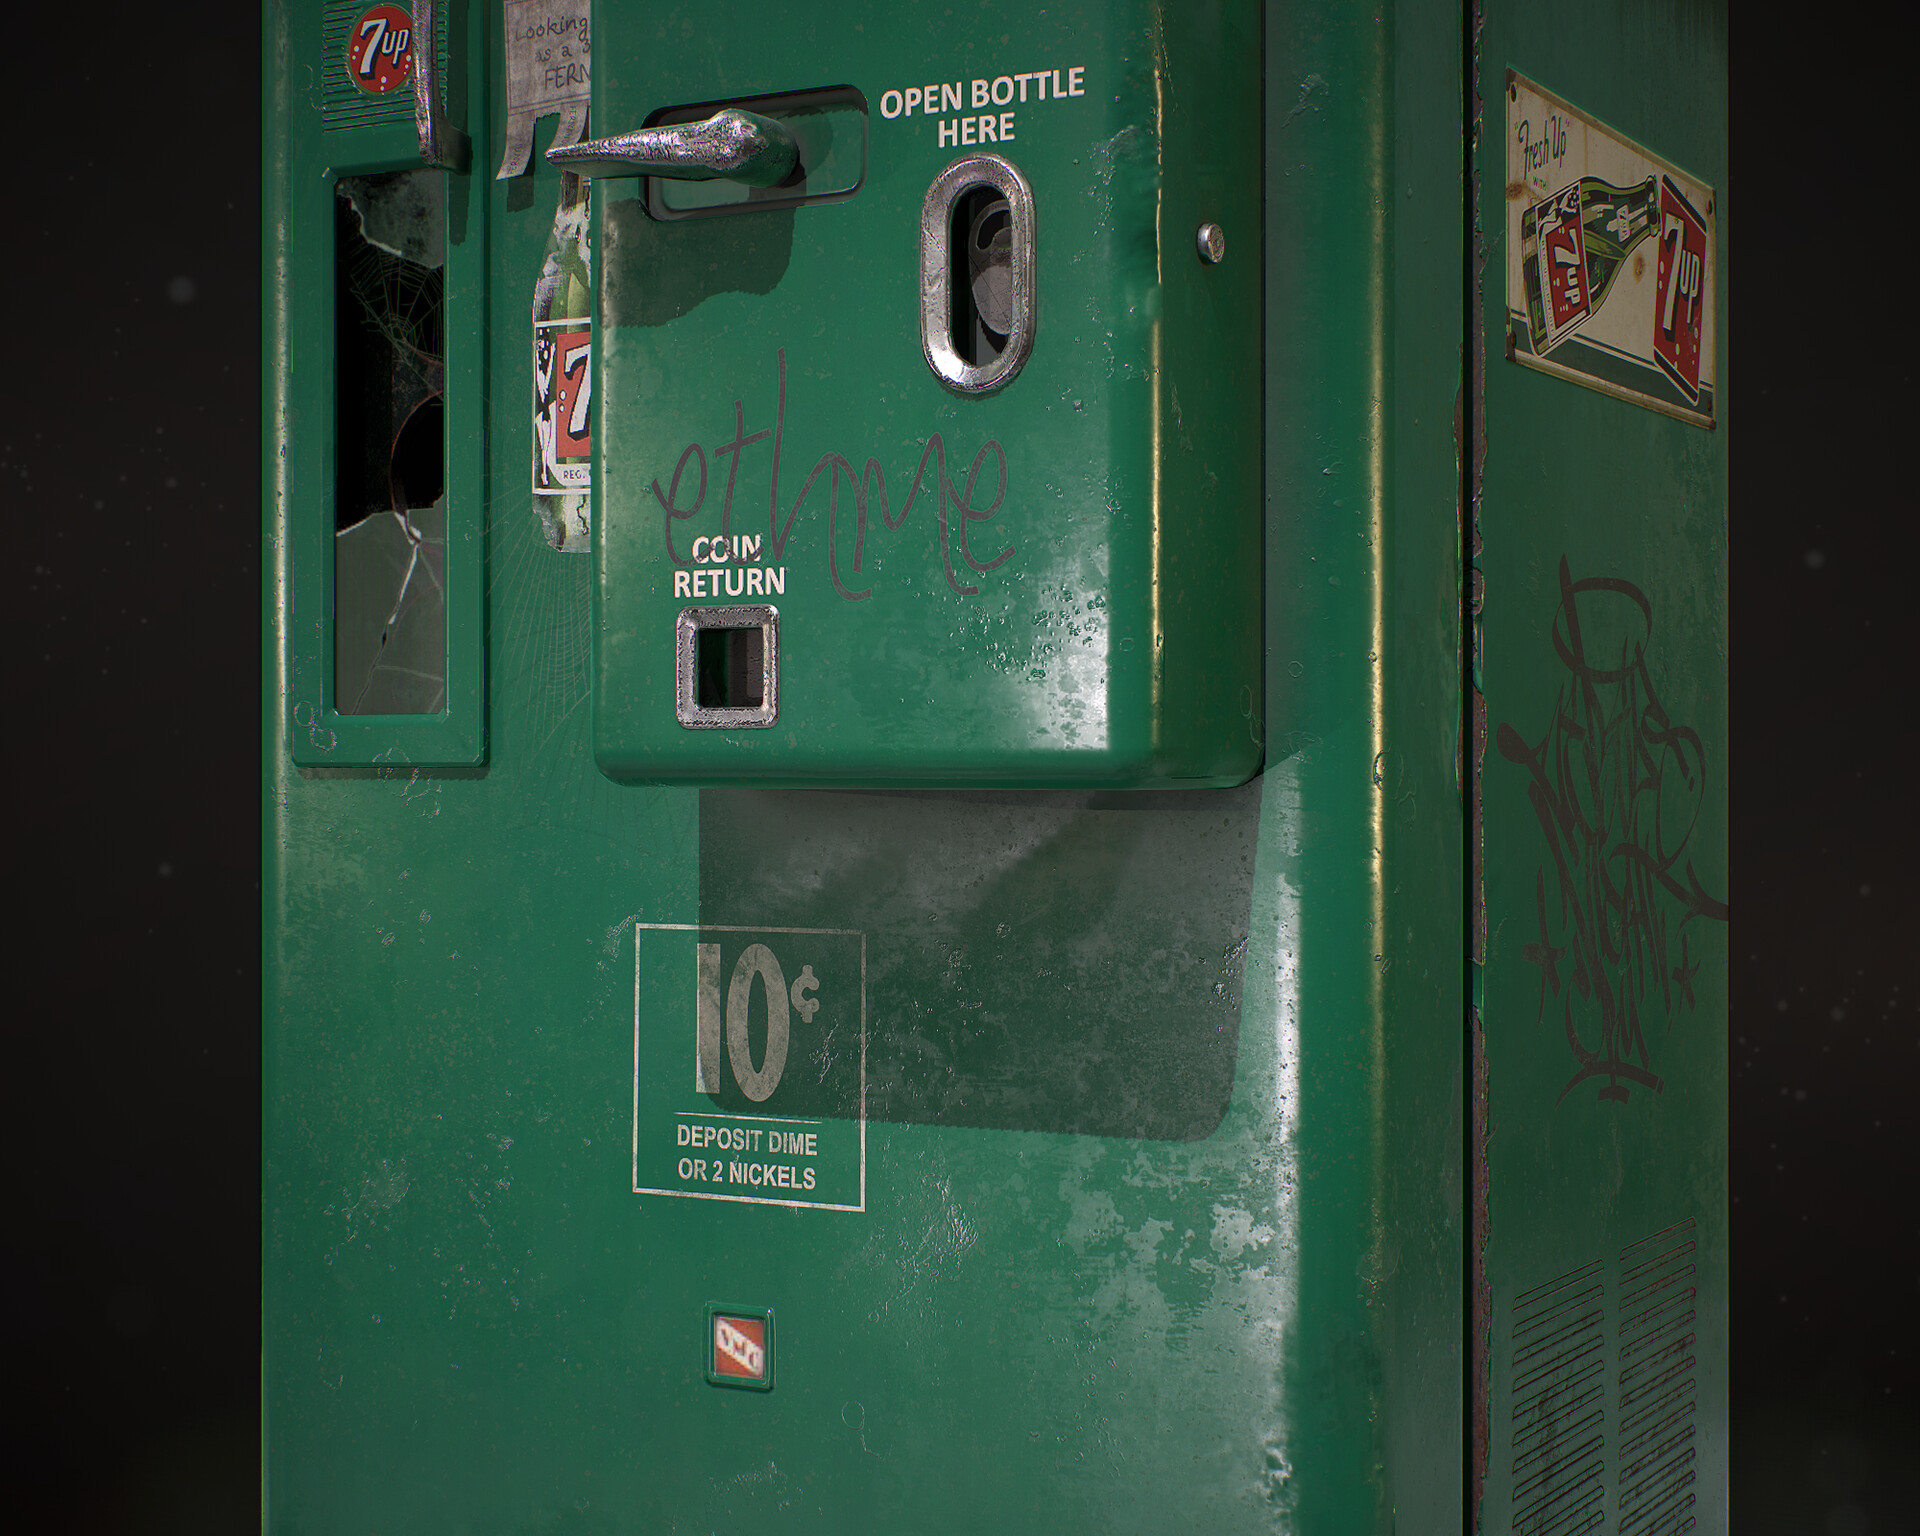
{"type": "Point", "coordinates": [995, 768]}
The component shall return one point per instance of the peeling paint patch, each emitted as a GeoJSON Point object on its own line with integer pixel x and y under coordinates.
{"type": "Point", "coordinates": [403, 215]}
{"type": "Point", "coordinates": [1307, 87]}
{"type": "Point", "coordinates": [1235, 1231]}
{"type": "Point", "coordinates": [1091, 1215]}
{"type": "Point", "coordinates": [383, 1190]}
{"type": "Point", "coordinates": [616, 935]}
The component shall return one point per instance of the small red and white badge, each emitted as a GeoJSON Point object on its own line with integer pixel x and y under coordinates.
{"type": "Point", "coordinates": [380, 49]}
{"type": "Point", "coordinates": [740, 1347]}
{"type": "Point", "coordinates": [1678, 299]}
{"type": "Point", "coordinates": [1563, 262]}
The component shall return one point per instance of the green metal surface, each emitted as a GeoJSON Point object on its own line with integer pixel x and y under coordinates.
{"type": "Point", "coordinates": [1159, 1139]}
{"type": "Point", "coordinates": [1602, 658]}
{"type": "Point", "coordinates": [1054, 583]}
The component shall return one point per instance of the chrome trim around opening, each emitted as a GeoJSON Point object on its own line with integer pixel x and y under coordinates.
{"type": "Point", "coordinates": [936, 268]}
{"type": "Point", "coordinates": [687, 705]}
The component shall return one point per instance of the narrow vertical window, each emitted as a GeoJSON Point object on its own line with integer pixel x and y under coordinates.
{"type": "Point", "coordinates": [389, 545]}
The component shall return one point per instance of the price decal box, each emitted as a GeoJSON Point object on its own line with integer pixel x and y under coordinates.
{"type": "Point", "coordinates": [750, 1065]}
{"type": "Point", "coordinates": [1610, 259]}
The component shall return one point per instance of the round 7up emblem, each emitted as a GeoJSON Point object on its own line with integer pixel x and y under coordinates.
{"type": "Point", "coordinates": [380, 49]}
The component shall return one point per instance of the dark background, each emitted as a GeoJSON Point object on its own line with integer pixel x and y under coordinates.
{"type": "Point", "coordinates": [129, 457]}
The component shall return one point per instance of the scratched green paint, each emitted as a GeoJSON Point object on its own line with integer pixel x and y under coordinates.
{"type": "Point", "coordinates": [1164, 1102]}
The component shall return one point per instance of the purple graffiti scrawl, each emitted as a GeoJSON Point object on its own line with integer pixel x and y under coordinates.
{"type": "Point", "coordinates": [1617, 788]}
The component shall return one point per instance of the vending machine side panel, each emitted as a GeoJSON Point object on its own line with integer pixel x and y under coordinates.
{"type": "Point", "coordinates": [1601, 931]}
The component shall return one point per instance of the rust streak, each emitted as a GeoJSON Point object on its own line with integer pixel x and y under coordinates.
{"type": "Point", "coordinates": [1480, 1380]}
{"type": "Point", "coordinates": [1479, 1130]}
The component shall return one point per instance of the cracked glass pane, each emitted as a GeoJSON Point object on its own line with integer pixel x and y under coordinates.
{"type": "Point", "coordinates": [389, 625]}
{"type": "Point", "coordinates": [389, 653]}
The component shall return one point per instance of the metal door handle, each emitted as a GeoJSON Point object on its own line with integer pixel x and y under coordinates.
{"type": "Point", "coordinates": [441, 144]}
{"type": "Point", "coordinates": [731, 146]}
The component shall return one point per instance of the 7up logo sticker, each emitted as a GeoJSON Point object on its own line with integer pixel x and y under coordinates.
{"type": "Point", "coordinates": [750, 1065]}
{"type": "Point", "coordinates": [562, 394]}
{"type": "Point", "coordinates": [1680, 296]}
{"type": "Point", "coordinates": [380, 49]}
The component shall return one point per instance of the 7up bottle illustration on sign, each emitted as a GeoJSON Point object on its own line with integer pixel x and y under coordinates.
{"type": "Point", "coordinates": [1558, 296]}
{"type": "Point", "coordinates": [750, 1065]}
{"type": "Point", "coordinates": [1610, 259]}
{"type": "Point", "coordinates": [1573, 246]}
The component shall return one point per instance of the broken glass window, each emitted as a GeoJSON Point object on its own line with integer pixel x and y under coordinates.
{"type": "Point", "coordinates": [389, 619]}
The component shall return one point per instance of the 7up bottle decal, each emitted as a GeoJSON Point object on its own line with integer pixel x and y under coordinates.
{"type": "Point", "coordinates": [563, 376]}
{"type": "Point", "coordinates": [1574, 244]}
{"type": "Point", "coordinates": [750, 1065]}
{"type": "Point", "coordinates": [1613, 220]}
{"type": "Point", "coordinates": [1559, 296]}
{"type": "Point", "coordinates": [1573, 248]}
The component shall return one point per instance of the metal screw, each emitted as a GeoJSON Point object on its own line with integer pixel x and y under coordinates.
{"type": "Point", "coordinates": [1212, 240]}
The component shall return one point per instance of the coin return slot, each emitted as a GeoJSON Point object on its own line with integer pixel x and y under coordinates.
{"type": "Point", "coordinates": [729, 667]}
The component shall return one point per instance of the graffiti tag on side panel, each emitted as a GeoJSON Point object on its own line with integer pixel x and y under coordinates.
{"type": "Point", "coordinates": [1610, 260]}
{"type": "Point", "coordinates": [1617, 786]}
